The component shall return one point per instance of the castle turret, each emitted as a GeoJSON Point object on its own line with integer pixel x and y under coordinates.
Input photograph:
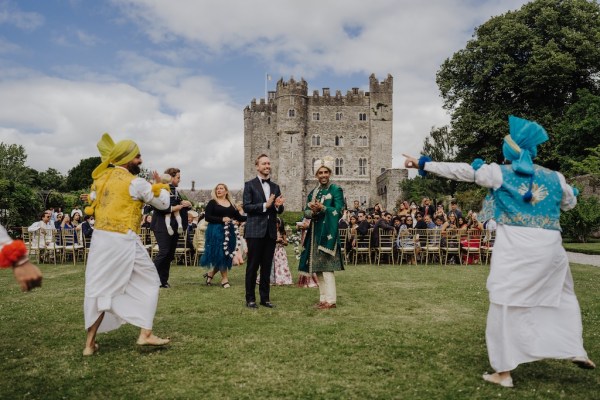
{"type": "Point", "coordinates": [292, 104]}
{"type": "Point", "coordinates": [260, 135]}
{"type": "Point", "coordinates": [381, 116]}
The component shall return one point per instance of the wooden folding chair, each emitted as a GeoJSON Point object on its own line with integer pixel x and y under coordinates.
{"type": "Point", "coordinates": [71, 245]}
{"type": "Point", "coordinates": [363, 246]}
{"type": "Point", "coordinates": [182, 251]}
{"type": "Point", "coordinates": [433, 245]}
{"type": "Point", "coordinates": [451, 244]}
{"type": "Point", "coordinates": [343, 242]}
{"type": "Point", "coordinates": [408, 245]}
{"type": "Point", "coordinates": [487, 245]}
{"type": "Point", "coordinates": [385, 245]}
{"type": "Point", "coordinates": [471, 248]}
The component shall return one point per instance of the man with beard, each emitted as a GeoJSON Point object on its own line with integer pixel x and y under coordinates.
{"type": "Point", "coordinates": [121, 283]}
{"type": "Point", "coordinates": [321, 246]}
{"type": "Point", "coordinates": [167, 243]}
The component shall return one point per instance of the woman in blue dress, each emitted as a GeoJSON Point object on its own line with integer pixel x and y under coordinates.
{"type": "Point", "coordinates": [222, 235]}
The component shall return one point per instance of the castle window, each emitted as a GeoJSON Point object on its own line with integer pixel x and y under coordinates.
{"type": "Point", "coordinates": [316, 116]}
{"type": "Point", "coordinates": [362, 166]}
{"type": "Point", "coordinates": [291, 113]}
{"type": "Point", "coordinates": [363, 201]}
{"type": "Point", "coordinates": [362, 116]}
{"type": "Point", "coordinates": [339, 141]}
{"type": "Point", "coordinates": [339, 166]}
{"type": "Point", "coordinates": [338, 116]}
{"type": "Point", "coordinates": [269, 121]}
{"type": "Point", "coordinates": [363, 141]}
{"type": "Point", "coordinates": [313, 165]}
{"type": "Point", "coordinates": [316, 140]}
{"type": "Point", "coordinates": [268, 144]}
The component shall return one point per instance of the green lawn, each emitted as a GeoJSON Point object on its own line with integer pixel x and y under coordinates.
{"type": "Point", "coordinates": [586, 248]}
{"type": "Point", "coordinates": [400, 332]}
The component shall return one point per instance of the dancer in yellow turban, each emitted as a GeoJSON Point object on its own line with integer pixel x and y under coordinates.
{"type": "Point", "coordinates": [121, 282]}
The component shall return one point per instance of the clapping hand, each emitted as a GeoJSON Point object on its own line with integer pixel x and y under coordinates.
{"type": "Point", "coordinates": [279, 201]}
{"type": "Point", "coordinates": [156, 177]}
{"type": "Point", "coordinates": [270, 201]}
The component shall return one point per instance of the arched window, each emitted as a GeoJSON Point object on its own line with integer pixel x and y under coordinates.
{"type": "Point", "coordinates": [316, 116]}
{"type": "Point", "coordinates": [339, 140]}
{"type": "Point", "coordinates": [362, 116]}
{"type": "Point", "coordinates": [269, 121]}
{"type": "Point", "coordinates": [268, 144]}
{"type": "Point", "coordinates": [363, 141]}
{"type": "Point", "coordinates": [339, 166]}
{"type": "Point", "coordinates": [338, 116]}
{"type": "Point", "coordinates": [316, 140]}
{"type": "Point", "coordinates": [362, 166]}
{"type": "Point", "coordinates": [291, 113]}
{"type": "Point", "coordinates": [313, 165]}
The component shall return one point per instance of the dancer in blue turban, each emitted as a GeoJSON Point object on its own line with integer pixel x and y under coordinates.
{"type": "Point", "coordinates": [534, 313]}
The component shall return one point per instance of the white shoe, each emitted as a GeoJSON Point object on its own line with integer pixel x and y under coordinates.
{"type": "Point", "coordinates": [506, 382]}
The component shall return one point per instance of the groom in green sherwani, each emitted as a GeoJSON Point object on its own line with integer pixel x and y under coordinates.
{"type": "Point", "coordinates": [322, 252]}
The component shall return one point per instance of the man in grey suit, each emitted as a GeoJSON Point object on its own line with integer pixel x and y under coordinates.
{"type": "Point", "coordinates": [262, 202]}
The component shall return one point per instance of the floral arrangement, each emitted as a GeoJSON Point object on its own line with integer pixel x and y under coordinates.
{"type": "Point", "coordinates": [295, 240]}
{"type": "Point", "coordinates": [238, 241]}
{"type": "Point", "coordinates": [11, 253]}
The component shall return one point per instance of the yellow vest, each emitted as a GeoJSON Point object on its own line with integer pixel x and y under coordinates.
{"type": "Point", "coordinates": [115, 210]}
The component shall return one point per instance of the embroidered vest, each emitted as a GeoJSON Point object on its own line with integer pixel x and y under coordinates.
{"type": "Point", "coordinates": [544, 209]}
{"type": "Point", "coordinates": [116, 211]}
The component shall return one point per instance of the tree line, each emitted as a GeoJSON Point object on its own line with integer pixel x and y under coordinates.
{"type": "Point", "coordinates": [541, 62]}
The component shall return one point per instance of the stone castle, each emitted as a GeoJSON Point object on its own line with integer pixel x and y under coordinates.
{"type": "Point", "coordinates": [295, 129]}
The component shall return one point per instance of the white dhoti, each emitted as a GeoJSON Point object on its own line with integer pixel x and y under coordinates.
{"type": "Point", "coordinates": [327, 291]}
{"type": "Point", "coordinates": [534, 313]}
{"type": "Point", "coordinates": [120, 280]}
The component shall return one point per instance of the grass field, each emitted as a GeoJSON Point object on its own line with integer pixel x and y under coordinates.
{"type": "Point", "coordinates": [400, 332]}
{"type": "Point", "coordinates": [586, 248]}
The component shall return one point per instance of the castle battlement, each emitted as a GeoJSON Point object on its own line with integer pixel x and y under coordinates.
{"type": "Point", "coordinates": [295, 128]}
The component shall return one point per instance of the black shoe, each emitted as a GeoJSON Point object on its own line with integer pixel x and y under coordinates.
{"type": "Point", "coordinates": [267, 304]}
{"type": "Point", "coordinates": [251, 304]}
{"type": "Point", "coordinates": [165, 285]}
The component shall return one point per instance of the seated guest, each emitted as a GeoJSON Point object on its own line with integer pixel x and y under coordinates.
{"type": "Point", "coordinates": [383, 223]}
{"type": "Point", "coordinates": [362, 230]}
{"type": "Point", "coordinates": [146, 221]}
{"type": "Point", "coordinates": [371, 220]}
{"type": "Point", "coordinates": [41, 231]}
{"type": "Point", "coordinates": [454, 209]}
{"type": "Point", "coordinates": [429, 222]}
{"type": "Point", "coordinates": [356, 208]}
{"type": "Point", "coordinates": [378, 210]}
{"type": "Point", "coordinates": [474, 223]}
{"type": "Point", "coordinates": [420, 224]}
{"type": "Point", "coordinates": [87, 226]}
{"type": "Point", "coordinates": [440, 213]}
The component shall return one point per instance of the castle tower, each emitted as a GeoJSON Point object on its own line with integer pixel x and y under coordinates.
{"type": "Point", "coordinates": [381, 117]}
{"type": "Point", "coordinates": [292, 104]}
{"type": "Point", "coordinates": [260, 135]}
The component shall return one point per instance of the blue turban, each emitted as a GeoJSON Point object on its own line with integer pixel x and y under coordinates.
{"type": "Point", "coordinates": [520, 146]}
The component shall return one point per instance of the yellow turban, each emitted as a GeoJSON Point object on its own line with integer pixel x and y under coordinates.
{"type": "Point", "coordinates": [116, 154]}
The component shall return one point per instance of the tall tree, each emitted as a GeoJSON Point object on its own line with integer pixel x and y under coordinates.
{"type": "Point", "coordinates": [439, 145]}
{"type": "Point", "coordinates": [12, 163]}
{"type": "Point", "coordinates": [530, 63]}
{"type": "Point", "coordinates": [80, 176]}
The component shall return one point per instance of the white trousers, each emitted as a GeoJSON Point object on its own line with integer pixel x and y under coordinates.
{"type": "Point", "coordinates": [327, 287]}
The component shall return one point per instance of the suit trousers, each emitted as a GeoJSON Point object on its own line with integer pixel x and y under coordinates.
{"type": "Point", "coordinates": [327, 289]}
{"type": "Point", "coordinates": [260, 255]}
{"type": "Point", "coordinates": [167, 245]}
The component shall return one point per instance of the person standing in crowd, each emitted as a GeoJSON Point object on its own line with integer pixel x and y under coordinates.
{"type": "Point", "coordinates": [262, 202]}
{"type": "Point", "coordinates": [322, 252]}
{"type": "Point", "coordinates": [384, 223]}
{"type": "Point", "coordinates": [426, 208]}
{"type": "Point", "coordinates": [281, 275]}
{"type": "Point", "coordinates": [222, 235]}
{"type": "Point", "coordinates": [121, 282]}
{"type": "Point", "coordinates": [454, 209]}
{"type": "Point", "coordinates": [356, 208]}
{"type": "Point", "coordinates": [87, 226]}
{"type": "Point", "coordinates": [13, 254]}
{"type": "Point", "coordinates": [167, 243]}
{"type": "Point", "coordinates": [534, 313]}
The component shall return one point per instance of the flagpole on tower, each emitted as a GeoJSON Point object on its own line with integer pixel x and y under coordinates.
{"type": "Point", "coordinates": [267, 78]}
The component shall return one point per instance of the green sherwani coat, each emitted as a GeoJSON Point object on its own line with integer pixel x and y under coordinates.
{"type": "Point", "coordinates": [321, 245]}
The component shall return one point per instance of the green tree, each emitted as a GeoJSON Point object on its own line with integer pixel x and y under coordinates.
{"type": "Point", "coordinates": [580, 222]}
{"type": "Point", "coordinates": [12, 163]}
{"type": "Point", "coordinates": [51, 179]}
{"type": "Point", "coordinates": [440, 145]}
{"type": "Point", "coordinates": [531, 63]}
{"type": "Point", "coordinates": [80, 176]}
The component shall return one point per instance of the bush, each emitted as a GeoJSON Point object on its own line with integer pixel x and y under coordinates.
{"type": "Point", "coordinates": [583, 220]}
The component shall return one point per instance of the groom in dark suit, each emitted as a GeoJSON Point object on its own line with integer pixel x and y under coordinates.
{"type": "Point", "coordinates": [262, 202]}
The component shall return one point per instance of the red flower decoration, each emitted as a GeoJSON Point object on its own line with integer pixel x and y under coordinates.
{"type": "Point", "coordinates": [12, 253]}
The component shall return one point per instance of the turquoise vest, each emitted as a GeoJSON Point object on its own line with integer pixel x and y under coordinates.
{"type": "Point", "coordinates": [544, 209]}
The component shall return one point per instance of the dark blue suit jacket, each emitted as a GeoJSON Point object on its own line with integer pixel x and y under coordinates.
{"type": "Point", "coordinates": [260, 222]}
